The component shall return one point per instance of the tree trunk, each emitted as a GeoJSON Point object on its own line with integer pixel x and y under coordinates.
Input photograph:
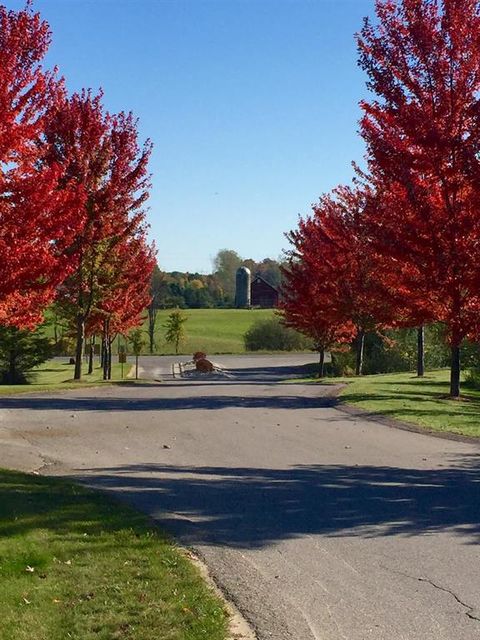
{"type": "Point", "coordinates": [360, 348]}
{"type": "Point", "coordinates": [80, 337]}
{"type": "Point", "coordinates": [105, 358]}
{"type": "Point", "coordinates": [12, 368]}
{"type": "Point", "coordinates": [90, 355]}
{"type": "Point", "coordinates": [152, 318]}
{"type": "Point", "coordinates": [105, 342]}
{"type": "Point", "coordinates": [136, 366]}
{"type": "Point", "coordinates": [109, 358]}
{"type": "Point", "coordinates": [421, 351]}
{"type": "Point", "coordinates": [321, 364]}
{"type": "Point", "coordinates": [455, 372]}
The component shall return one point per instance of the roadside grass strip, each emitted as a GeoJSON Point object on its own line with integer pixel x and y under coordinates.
{"type": "Point", "coordinates": [421, 401]}
{"type": "Point", "coordinates": [74, 564]}
{"type": "Point", "coordinates": [55, 375]}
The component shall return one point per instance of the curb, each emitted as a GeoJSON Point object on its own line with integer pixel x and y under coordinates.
{"type": "Point", "coordinates": [238, 627]}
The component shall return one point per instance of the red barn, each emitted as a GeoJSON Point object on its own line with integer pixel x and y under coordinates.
{"type": "Point", "coordinates": [263, 294]}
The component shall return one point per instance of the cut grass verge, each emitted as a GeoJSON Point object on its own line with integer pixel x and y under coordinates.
{"type": "Point", "coordinates": [55, 375]}
{"type": "Point", "coordinates": [73, 564]}
{"type": "Point", "coordinates": [419, 401]}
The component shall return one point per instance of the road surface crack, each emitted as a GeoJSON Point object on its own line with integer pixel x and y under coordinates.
{"type": "Point", "coordinates": [472, 613]}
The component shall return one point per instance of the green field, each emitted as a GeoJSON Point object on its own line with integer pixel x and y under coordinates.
{"type": "Point", "coordinates": [75, 565]}
{"type": "Point", "coordinates": [421, 401]}
{"type": "Point", "coordinates": [210, 330]}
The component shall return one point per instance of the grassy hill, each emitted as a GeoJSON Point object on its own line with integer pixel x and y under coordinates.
{"type": "Point", "coordinates": [210, 330]}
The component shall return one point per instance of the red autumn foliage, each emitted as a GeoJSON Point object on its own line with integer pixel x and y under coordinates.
{"type": "Point", "coordinates": [423, 142]}
{"type": "Point", "coordinates": [125, 283]}
{"type": "Point", "coordinates": [305, 307]}
{"type": "Point", "coordinates": [38, 221]}
{"type": "Point", "coordinates": [103, 158]}
{"type": "Point", "coordinates": [335, 283]}
{"type": "Point", "coordinates": [409, 292]}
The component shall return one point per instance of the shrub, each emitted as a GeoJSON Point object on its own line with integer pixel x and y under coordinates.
{"type": "Point", "coordinates": [342, 364]}
{"type": "Point", "coordinates": [272, 335]}
{"type": "Point", "coordinates": [472, 378]}
{"type": "Point", "coordinates": [20, 352]}
{"type": "Point", "coordinates": [395, 350]}
{"type": "Point", "coordinates": [175, 329]}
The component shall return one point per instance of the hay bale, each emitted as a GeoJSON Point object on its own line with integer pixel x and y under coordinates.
{"type": "Point", "coordinates": [204, 366]}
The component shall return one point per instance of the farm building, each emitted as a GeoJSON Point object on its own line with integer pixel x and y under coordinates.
{"type": "Point", "coordinates": [263, 294]}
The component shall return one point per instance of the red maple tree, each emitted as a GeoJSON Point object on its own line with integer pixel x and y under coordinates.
{"type": "Point", "coordinates": [103, 157]}
{"type": "Point", "coordinates": [125, 284]}
{"type": "Point", "coordinates": [335, 272]}
{"type": "Point", "coordinates": [423, 143]}
{"type": "Point", "coordinates": [305, 308]}
{"type": "Point", "coordinates": [37, 218]}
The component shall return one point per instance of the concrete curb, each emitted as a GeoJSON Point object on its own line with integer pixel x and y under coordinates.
{"type": "Point", "coordinates": [239, 628]}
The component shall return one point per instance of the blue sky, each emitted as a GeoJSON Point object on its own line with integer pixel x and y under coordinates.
{"type": "Point", "coordinates": [252, 106]}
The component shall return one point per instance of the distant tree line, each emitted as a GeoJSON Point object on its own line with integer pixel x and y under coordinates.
{"type": "Point", "coordinates": [207, 291]}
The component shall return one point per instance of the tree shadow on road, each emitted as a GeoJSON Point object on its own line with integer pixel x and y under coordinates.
{"type": "Point", "coordinates": [126, 403]}
{"type": "Point", "coordinates": [273, 372]}
{"type": "Point", "coordinates": [253, 507]}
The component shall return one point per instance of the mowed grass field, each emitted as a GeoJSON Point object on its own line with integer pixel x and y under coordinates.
{"type": "Point", "coordinates": [209, 330]}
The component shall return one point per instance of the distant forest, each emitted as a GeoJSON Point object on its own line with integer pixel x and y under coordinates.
{"type": "Point", "coordinates": [207, 291]}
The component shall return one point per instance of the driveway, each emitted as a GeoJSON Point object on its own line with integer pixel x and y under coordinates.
{"type": "Point", "coordinates": [318, 524]}
{"type": "Point", "coordinates": [251, 368]}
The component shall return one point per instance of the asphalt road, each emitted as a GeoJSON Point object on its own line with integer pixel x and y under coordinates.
{"type": "Point", "coordinates": [318, 524]}
{"type": "Point", "coordinates": [250, 368]}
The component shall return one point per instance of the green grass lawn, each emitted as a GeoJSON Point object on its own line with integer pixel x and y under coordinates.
{"type": "Point", "coordinates": [420, 401]}
{"type": "Point", "coordinates": [210, 330]}
{"type": "Point", "coordinates": [75, 565]}
{"type": "Point", "coordinates": [56, 375]}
